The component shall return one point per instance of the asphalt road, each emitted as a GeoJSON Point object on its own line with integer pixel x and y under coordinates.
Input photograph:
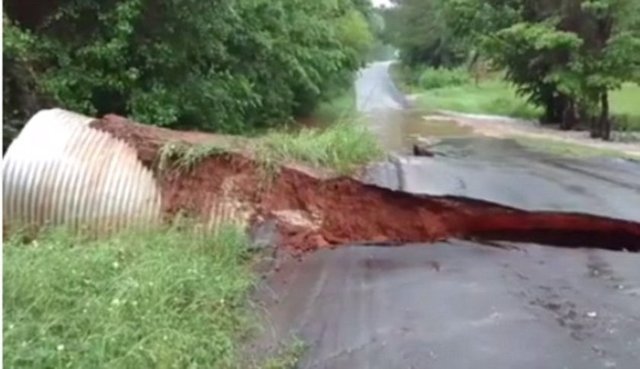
{"type": "Point", "coordinates": [465, 305]}
{"type": "Point", "coordinates": [504, 172]}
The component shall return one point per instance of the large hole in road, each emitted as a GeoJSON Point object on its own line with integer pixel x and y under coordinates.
{"type": "Point", "coordinates": [313, 212]}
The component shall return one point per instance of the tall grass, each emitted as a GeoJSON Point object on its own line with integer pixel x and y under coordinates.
{"type": "Point", "coordinates": [184, 156]}
{"type": "Point", "coordinates": [341, 106]}
{"type": "Point", "coordinates": [567, 149]}
{"type": "Point", "coordinates": [432, 78]}
{"type": "Point", "coordinates": [452, 89]}
{"type": "Point", "coordinates": [342, 146]}
{"type": "Point", "coordinates": [488, 97]}
{"type": "Point", "coordinates": [165, 299]}
{"type": "Point", "coordinates": [625, 104]}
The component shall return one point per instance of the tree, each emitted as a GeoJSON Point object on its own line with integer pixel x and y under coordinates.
{"type": "Point", "coordinates": [420, 31]}
{"type": "Point", "coordinates": [217, 65]}
{"type": "Point", "coordinates": [563, 55]}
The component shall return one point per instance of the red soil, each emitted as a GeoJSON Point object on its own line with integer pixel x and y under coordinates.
{"type": "Point", "coordinates": [313, 212]}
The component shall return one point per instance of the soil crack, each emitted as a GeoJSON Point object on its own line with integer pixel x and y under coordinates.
{"type": "Point", "coordinates": [314, 212]}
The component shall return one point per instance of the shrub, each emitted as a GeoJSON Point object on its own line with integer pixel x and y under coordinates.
{"type": "Point", "coordinates": [207, 65]}
{"type": "Point", "coordinates": [432, 78]}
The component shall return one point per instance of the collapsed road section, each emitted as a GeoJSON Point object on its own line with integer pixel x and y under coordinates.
{"type": "Point", "coordinates": [315, 211]}
{"type": "Point", "coordinates": [318, 211]}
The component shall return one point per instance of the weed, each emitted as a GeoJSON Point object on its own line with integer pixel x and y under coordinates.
{"type": "Point", "coordinates": [624, 104]}
{"type": "Point", "coordinates": [342, 146]}
{"type": "Point", "coordinates": [490, 97]}
{"type": "Point", "coordinates": [442, 89]}
{"type": "Point", "coordinates": [341, 106]}
{"type": "Point", "coordinates": [183, 156]}
{"type": "Point", "coordinates": [431, 78]}
{"type": "Point", "coordinates": [567, 149]}
{"type": "Point", "coordinates": [160, 299]}
{"type": "Point", "coordinates": [287, 358]}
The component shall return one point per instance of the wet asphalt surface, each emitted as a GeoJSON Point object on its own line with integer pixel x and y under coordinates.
{"type": "Point", "coordinates": [467, 305]}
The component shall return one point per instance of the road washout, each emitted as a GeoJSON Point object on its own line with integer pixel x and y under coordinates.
{"type": "Point", "coordinates": [314, 211]}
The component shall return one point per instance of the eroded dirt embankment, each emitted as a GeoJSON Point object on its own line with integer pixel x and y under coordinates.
{"type": "Point", "coordinates": [314, 212]}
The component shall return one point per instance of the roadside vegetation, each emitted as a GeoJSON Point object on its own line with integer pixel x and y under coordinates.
{"type": "Point", "coordinates": [288, 357]}
{"type": "Point", "coordinates": [343, 146]}
{"type": "Point", "coordinates": [336, 139]}
{"type": "Point", "coordinates": [570, 150]}
{"type": "Point", "coordinates": [163, 299]}
{"type": "Point", "coordinates": [455, 90]}
{"type": "Point", "coordinates": [233, 67]}
{"type": "Point", "coordinates": [493, 95]}
{"type": "Point", "coordinates": [341, 105]}
{"type": "Point", "coordinates": [570, 63]}
{"type": "Point", "coordinates": [625, 105]}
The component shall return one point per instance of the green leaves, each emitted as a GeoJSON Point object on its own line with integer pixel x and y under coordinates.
{"type": "Point", "coordinates": [217, 65]}
{"type": "Point", "coordinates": [423, 34]}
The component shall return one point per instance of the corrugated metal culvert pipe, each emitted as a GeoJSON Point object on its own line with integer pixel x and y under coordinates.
{"type": "Point", "coordinates": [59, 171]}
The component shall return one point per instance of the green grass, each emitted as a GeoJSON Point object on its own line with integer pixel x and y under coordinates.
{"type": "Point", "coordinates": [496, 97]}
{"type": "Point", "coordinates": [625, 103]}
{"type": "Point", "coordinates": [287, 358]}
{"type": "Point", "coordinates": [342, 146]}
{"type": "Point", "coordinates": [184, 156]}
{"type": "Point", "coordinates": [164, 299]}
{"type": "Point", "coordinates": [567, 149]}
{"type": "Point", "coordinates": [488, 97]}
{"type": "Point", "coordinates": [405, 78]}
{"type": "Point", "coordinates": [341, 106]}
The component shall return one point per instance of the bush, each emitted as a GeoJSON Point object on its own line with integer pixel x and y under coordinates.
{"type": "Point", "coordinates": [405, 77]}
{"type": "Point", "coordinates": [432, 78]}
{"type": "Point", "coordinates": [626, 123]}
{"type": "Point", "coordinates": [207, 65]}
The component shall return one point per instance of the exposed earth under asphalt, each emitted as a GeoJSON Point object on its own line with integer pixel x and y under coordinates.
{"type": "Point", "coordinates": [462, 304]}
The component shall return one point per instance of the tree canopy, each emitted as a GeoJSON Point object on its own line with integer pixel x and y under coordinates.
{"type": "Point", "coordinates": [218, 65]}
{"type": "Point", "coordinates": [563, 55]}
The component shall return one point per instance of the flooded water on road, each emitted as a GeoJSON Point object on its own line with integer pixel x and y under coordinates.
{"type": "Point", "coordinates": [399, 130]}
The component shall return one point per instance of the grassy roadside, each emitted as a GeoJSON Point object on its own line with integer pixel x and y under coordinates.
{"type": "Point", "coordinates": [404, 78]}
{"type": "Point", "coordinates": [342, 146]}
{"type": "Point", "coordinates": [496, 97]}
{"type": "Point", "coordinates": [488, 97]}
{"type": "Point", "coordinates": [570, 150]}
{"type": "Point", "coordinates": [140, 300]}
{"type": "Point", "coordinates": [340, 142]}
{"type": "Point", "coordinates": [341, 106]}
{"type": "Point", "coordinates": [625, 103]}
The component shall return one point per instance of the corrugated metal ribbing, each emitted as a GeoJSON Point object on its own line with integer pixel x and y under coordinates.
{"type": "Point", "coordinates": [228, 211]}
{"type": "Point", "coordinates": [59, 171]}
{"type": "Point", "coordinates": [226, 208]}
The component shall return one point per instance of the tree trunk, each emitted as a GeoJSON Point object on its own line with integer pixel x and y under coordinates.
{"type": "Point", "coordinates": [594, 127]}
{"type": "Point", "coordinates": [555, 107]}
{"type": "Point", "coordinates": [570, 117]}
{"type": "Point", "coordinates": [605, 122]}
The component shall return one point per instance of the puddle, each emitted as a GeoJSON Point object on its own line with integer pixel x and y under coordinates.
{"type": "Point", "coordinates": [400, 130]}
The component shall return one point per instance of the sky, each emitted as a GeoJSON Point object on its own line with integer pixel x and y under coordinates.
{"type": "Point", "coordinates": [381, 2]}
